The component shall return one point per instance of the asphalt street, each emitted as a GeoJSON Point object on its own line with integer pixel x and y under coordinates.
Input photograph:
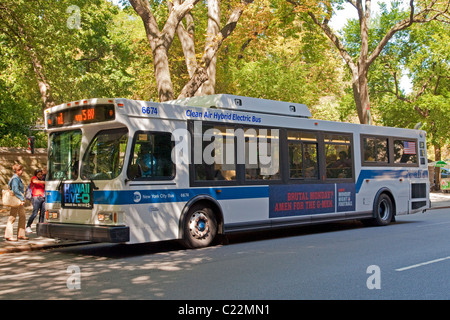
{"type": "Point", "coordinates": [438, 200]}
{"type": "Point", "coordinates": [407, 260]}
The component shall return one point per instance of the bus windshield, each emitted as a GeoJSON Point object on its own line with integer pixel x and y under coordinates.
{"type": "Point", "coordinates": [63, 155]}
{"type": "Point", "coordinates": [104, 159]}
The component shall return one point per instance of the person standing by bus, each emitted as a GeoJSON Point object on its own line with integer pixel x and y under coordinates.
{"type": "Point", "coordinates": [38, 200]}
{"type": "Point", "coordinates": [18, 189]}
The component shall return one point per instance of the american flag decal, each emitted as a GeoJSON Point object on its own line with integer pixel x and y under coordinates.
{"type": "Point", "coordinates": [409, 147]}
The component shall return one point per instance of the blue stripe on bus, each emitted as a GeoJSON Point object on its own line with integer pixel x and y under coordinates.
{"type": "Point", "coordinates": [389, 174]}
{"type": "Point", "coordinates": [177, 195]}
{"type": "Point", "coordinates": [124, 197]}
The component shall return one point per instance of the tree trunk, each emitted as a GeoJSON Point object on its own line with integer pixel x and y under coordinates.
{"type": "Point", "coordinates": [162, 73]}
{"type": "Point", "coordinates": [161, 40]}
{"type": "Point", "coordinates": [361, 95]}
{"type": "Point", "coordinates": [437, 170]}
{"type": "Point", "coordinates": [201, 73]}
{"type": "Point", "coordinates": [208, 87]}
{"type": "Point", "coordinates": [186, 36]}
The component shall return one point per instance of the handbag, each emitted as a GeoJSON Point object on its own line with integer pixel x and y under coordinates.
{"type": "Point", "coordinates": [9, 199]}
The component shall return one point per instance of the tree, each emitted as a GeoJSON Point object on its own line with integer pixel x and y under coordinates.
{"type": "Point", "coordinates": [55, 52]}
{"type": "Point", "coordinates": [273, 54]}
{"type": "Point", "coordinates": [421, 12]}
{"type": "Point", "coordinates": [16, 23]}
{"type": "Point", "coordinates": [160, 41]}
{"type": "Point", "coordinates": [67, 45]}
{"type": "Point", "coordinates": [187, 37]}
{"type": "Point", "coordinates": [423, 51]}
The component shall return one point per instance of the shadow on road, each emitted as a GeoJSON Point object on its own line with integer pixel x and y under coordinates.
{"type": "Point", "coordinates": [119, 251]}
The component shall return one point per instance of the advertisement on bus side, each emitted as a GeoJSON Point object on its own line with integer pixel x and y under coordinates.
{"type": "Point", "coordinates": [295, 200]}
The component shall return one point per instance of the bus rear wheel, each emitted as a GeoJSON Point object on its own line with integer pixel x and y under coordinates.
{"type": "Point", "coordinates": [383, 211]}
{"type": "Point", "coordinates": [199, 227]}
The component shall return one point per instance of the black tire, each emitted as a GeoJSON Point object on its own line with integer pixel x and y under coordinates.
{"type": "Point", "coordinates": [383, 211]}
{"type": "Point", "coordinates": [199, 227]}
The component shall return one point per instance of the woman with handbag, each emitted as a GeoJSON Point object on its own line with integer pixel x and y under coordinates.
{"type": "Point", "coordinates": [16, 186]}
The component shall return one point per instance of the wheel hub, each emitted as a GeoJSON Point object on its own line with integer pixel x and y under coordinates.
{"type": "Point", "coordinates": [199, 225]}
{"type": "Point", "coordinates": [384, 210]}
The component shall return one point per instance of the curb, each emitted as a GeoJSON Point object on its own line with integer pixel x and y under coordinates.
{"type": "Point", "coordinates": [37, 246]}
{"type": "Point", "coordinates": [443, 207]}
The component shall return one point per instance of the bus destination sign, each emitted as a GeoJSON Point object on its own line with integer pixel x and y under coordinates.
{"type": "Point", "coordinates": [81, 115]}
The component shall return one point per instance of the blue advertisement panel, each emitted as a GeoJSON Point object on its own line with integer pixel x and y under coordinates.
{"type": "Point", "coordinates": [307, 199]}
{"type": "Point", "coordinates": [77, 195]}
{"type": "Point", "coordinates": [345, 197]}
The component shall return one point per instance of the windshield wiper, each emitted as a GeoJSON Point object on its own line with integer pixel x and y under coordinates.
{"type": "Point", "coordinates": [93, 184]}
{"type": "Point", "coordinates": [69, 166]}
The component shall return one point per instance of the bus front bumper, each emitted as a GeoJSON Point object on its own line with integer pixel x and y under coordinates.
{"type": "Point", "coordinates": [115, 234]}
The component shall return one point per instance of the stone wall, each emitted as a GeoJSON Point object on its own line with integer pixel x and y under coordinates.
{"type": "Point", "coordinates": [30, 162]}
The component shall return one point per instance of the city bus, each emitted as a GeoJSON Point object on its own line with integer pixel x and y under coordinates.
{"type": "Point", "coordinates": [196, 169]}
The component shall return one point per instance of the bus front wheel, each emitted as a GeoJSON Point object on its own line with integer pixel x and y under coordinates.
{"type": "Point", "coordinates": [199, 227]}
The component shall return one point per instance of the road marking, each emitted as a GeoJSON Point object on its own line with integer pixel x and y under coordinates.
{"type": "Point", "coordinates": [433, 224]}
{"type": "Point", "coordinates": [422, 264]}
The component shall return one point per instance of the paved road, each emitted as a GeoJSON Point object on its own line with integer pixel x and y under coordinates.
{"type": "Point", "coordinates": [438, 200]}
{"type": "Point", "coordinates": [406, 260]}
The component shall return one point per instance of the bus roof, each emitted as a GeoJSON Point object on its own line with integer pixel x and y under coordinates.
{"type": "Point", "coordinates": [241, 103]}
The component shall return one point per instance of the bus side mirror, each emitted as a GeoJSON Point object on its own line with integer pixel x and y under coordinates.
{"type": "Point", "coordinates": [134, 171]}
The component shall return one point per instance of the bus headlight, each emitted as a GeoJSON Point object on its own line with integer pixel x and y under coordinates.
{"type": "Point", "coordinates": [52, 215]}
{"type": "Point", "coordinates": [107, 217]}
{"type": "Point", "coordinates": [104, 216]}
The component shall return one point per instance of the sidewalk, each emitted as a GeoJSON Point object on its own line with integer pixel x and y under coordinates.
{"type": "Point", "coordinates": [34, 243]}
{"type": "Point", "coordinates": [438, 200]}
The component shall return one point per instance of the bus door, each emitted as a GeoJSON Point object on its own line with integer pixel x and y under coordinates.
{"type": "Point", "coordinates": [153, 181]}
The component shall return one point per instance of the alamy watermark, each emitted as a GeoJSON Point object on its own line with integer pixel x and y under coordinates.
{"type": "Point", "coordinates": [74, 280]}
{"type": "Point", "coordinates": [374, 280]}
{"type": "Point", "coordinates": [74, 20]}
{"type": "Point", "coordinates": [257, 147]}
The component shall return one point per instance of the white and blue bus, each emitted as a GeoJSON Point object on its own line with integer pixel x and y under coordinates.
{"type": "Point", "coordinates": [127, 171]}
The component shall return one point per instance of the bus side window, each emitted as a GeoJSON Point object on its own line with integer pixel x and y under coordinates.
{"type": "Point", "coordinates": [375, 150]}
{"type": "Point", "coordinates": [405, 151]}
{"type": "Point", "coordinates": [262, 154]}
{"type": "Point", "coordinates": [151, 156]}
{"type": "Point", "coordinates": [217, 153]}
{"type": "Point", "coordinates": [339, 163]}
{"type": "Point", "coordinates": [303, 161]}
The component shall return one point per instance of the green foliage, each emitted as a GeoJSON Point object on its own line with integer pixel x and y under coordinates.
{"type": "Point", "coordinates": [17, 112]}
{"type": "Point", "coordinates": [275, 55]}
{"type": "Point", "coordinates": [422, 50]}
{"type": "Point", "coordinates": [13, 125]}
{"type": "Point", "coordinates": [78, 63]}
{"type": "Point", "coordinates": [276, 52]}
